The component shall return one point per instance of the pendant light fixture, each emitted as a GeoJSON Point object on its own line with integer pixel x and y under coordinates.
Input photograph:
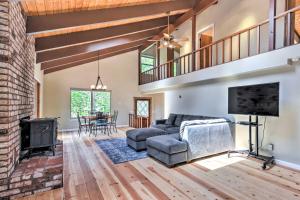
{"type": "Point", "coordinates": [99, 84]}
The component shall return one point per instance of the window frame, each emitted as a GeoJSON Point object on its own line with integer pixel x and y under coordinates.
{"type": "Point", "coordinates": [150, 57]}
{"type": "Point", "coordinates": [92, 98]}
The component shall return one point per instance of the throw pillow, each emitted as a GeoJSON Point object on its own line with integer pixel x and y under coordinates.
{"type": "Point", "coordinates": [178, 120]}
{"type": "Point", "coordinates": [171, 119]}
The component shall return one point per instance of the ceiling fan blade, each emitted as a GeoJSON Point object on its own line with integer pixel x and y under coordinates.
{"type": "Point", "coordinates": [176, 45]}
{"type": "Point", "coordinates": [167, 36]}
{"type": "Point", "coordinates": [153, 40]}
{"type": "Point", "coordinates": [185, 39]}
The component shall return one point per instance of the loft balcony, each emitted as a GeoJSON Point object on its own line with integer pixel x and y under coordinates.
{"type": "Point", "coordinates": [268, 45]}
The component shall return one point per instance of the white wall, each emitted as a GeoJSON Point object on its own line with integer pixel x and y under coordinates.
{"type": "Point", "coordinates": [39, 77]}
{"type": "Point", "coordinates": [119, 73]}
{"type": "Point", "coordinates": [212, 99]}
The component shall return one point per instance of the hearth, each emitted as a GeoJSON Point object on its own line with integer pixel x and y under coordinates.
{"type": "Point", "coordinates": [38, 134]}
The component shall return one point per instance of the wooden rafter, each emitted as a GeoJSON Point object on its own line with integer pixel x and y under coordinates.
{"type": "Point", "coordinates": [37, 24]}
{"type": "Point", "coordinates": [88, 60]}
{"type": "Point", "coordinates": [76, 58]}
{"type": "Point", "coordinates": [76, 38]}
{"type": "Point", "coordinates": [94, 46]}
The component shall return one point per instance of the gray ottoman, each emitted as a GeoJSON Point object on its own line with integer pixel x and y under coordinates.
{"type": "Point", "coordinates": [167, 149]}
{"type": "Point", "coordinates": [136, 138]}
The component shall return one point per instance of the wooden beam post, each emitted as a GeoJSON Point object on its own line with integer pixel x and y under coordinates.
{"type": "Point", "coordinates": [170, 58]}
{"type": "Point", "coordinates": [139, 67]}
{"type": "Point", "coordinates": [194, 18]}
{"type": "Point", "coordinates": [272, 24]}
{"type": "Point", "coordinates": [158, 59]}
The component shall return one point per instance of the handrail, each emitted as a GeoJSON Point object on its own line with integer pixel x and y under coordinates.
{"type": "Point", "coordinates": [208, 55]}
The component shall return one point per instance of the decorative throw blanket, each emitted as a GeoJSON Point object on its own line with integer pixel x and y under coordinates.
{"type": "Point", "coordinates": [206, 137]}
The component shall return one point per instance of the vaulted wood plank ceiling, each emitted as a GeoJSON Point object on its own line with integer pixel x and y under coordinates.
{"type": "Point", "coordinates": [72, 32]}
{"type": "Point", "coordinates": [48, 7]}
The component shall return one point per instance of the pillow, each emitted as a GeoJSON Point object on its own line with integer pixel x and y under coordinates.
{"type": "Point", "coordinates": [171, 119]}
{"type": "Point", "coordinates": [178, 120]}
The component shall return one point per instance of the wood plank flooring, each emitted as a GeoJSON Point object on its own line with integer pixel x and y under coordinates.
{"type": "Point", "coordinates": [90, 175]}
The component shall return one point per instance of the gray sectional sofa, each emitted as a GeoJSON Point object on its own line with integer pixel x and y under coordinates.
{"type": "Point", "coordinates": [165, 143]}
{"type": "Point", "coordinates": [172, 124]}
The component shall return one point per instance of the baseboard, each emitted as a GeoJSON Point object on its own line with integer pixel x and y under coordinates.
{"type": "Point", "coordinates": [122, 126]}
{"type": "Point", "coordinates": [68, 130]}
{"type": "Point", "coordinates": [288, 164]}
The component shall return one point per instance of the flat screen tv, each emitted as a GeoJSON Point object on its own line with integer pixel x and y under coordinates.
{"type": "Point", "coordinates": [261, 100]}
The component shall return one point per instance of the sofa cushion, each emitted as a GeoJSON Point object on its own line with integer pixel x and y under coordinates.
{"type": "Point", "coordinates": [169, 144]}
{"type": "Point", "coordinates": [171, 119]}
{"type": "Point", "coordinates": [161, 126]}
{"type": "Point", "coordinates": [178, 120]}
{"type": "Point", "coordinates": [141, 134]}
{"type": "Point", "coordinates": [174, 129]}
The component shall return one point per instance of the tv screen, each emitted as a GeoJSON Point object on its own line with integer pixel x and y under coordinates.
{"type": "Point", "coordinates": [261, 100]}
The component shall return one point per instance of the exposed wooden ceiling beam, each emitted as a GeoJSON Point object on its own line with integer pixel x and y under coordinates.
{"type": "Point", "coordinates": [199, 7]}
{"type": "Point", "coordinates": [94, 46]}
{"type": "Point", "coordinates": [76, 58]}
{"type": "Point", "coordinates": [76, 38]}
{"type": "Point", "coordinates": [44, 23]}
{"type": "Point", "coordinates": [88, 60]}
{"type": "Point", "coordinates": [95, 54]}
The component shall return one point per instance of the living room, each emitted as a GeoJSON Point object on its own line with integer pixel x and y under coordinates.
{"type": "Point", "coordinates": [149, 99]}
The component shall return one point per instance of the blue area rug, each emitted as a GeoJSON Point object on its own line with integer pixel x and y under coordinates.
{"type": "Point", "coordinates": [118, 151]}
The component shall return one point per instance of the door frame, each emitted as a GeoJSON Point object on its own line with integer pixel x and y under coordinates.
{"type": "Point", "coordinates": [203, 30]}
{"type": "Point", "coordinates": [135, 99]}
{"type": "Point", "coordinates": [198, 35]}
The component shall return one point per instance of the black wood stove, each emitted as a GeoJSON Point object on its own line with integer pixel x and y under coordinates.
{"type": "Point", "coordinates": [38, 134]}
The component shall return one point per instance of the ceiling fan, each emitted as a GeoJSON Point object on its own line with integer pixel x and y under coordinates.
{"type": "Point", "coordinates": [169, 40]}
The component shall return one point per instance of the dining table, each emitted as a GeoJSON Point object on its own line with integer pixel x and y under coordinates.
{"type": "Point", "coordinates": [89, 118]}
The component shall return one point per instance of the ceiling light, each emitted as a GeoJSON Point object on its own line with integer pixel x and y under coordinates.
{"type": "Point", "coordinates": [99, 84]}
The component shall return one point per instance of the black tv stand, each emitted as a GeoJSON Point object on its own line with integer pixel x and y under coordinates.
{"type": "Point", "coordinates": [250, 152]}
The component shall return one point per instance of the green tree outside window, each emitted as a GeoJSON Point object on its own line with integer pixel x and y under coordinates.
{"type": "Point", "coordinates": [85, 101]}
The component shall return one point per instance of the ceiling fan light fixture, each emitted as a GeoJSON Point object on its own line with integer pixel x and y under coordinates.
{"type": "Point", "coordinates": [165, 43]}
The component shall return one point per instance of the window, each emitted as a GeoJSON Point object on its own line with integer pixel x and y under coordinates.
{"type": "Point", "coordinates": [86, 101]}
{"type": "Point", "coordinates": [147, 63]}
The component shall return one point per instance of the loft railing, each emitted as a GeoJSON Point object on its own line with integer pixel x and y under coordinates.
{"type": "Point", "coordinates": [245, 43]}
{"type": "Point", "coordinates": [136, 121]}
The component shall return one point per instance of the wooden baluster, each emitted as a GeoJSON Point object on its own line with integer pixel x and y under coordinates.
{"type": "Point", "coordinates": [217, 54]}
{"type": "Point", "coordinates": [249, 43]}
{"type": "Point", "coordinates": [211, 56]}
{"type": "Point", "coordinates": [239, 46]}
{"type": "Point", "coordinates": [183, 64]}
{"type": "Point", "coordinates": [189, 63]}
{"type": "Point", "coordinates": [258, 40]}
{"type": "Point", "coordinates": [230, 49]}
{"type": "Point", "coordinates": [204, 58]}
{"type": "Point", "coordinates": [290, 28]}
{"type": "Point", "coordinates": [223, 51]}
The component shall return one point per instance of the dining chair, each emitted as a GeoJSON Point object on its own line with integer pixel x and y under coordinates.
{"type": "Point", "coordinates": [113, 122]}
{"type": "Point", "coordinates": [103, 125]}
{"type": "Point", "coordinates": [82, 125]}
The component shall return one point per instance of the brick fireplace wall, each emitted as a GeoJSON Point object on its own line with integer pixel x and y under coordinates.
{"type": "Point", "coordinates": [16, 83]}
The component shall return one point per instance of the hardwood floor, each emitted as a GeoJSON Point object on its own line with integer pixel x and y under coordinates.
{"type": "Point", "coordinates": [90, 175]}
